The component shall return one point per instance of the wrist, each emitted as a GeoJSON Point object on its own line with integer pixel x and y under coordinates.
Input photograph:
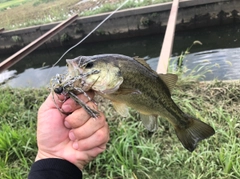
{"type": "Point", "coordinates": [43, 155]}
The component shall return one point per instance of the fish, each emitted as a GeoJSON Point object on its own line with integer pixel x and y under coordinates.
{"type": "Point", "coordinates": [130, 82]}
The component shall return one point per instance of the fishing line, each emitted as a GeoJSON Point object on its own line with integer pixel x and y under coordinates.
{"type": "Point", "coordinates": [104, 20]}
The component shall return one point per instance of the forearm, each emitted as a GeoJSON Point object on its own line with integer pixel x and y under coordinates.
{"type": "Point", "coordinates": [55, 169]}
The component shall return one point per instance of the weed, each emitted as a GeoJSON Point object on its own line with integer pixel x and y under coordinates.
{"type": "Point", "coordinates": [16, 38]}
{"type": "Point", "coordinates": [144, 21]}
{"type": "Point", "coordinates": [100, 32]}
{"type": "Point", "coordinates": [185, 75]}
{"type": "Point", "coordinates": [65, 37]}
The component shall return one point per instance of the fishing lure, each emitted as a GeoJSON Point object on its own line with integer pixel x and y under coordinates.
{"type": "Point", "coordinates": [63, 84]}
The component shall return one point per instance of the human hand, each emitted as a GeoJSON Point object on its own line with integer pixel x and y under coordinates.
{"type": "Point", "coordinates": [76, 137]}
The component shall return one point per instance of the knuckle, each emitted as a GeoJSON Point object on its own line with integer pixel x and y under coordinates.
{"type": "Point", "coordinates": [102, 119]}
{"type": "Point", "coordinates": [73, 123]}
{"type": "Point", "coordinates": [83, 146]}
{"type": "Point", "coordinates": [102, 122]}
{"type": "Point", "coordinates": [102, 135]}
{"type": "Point", "coordinates": [101, 150]}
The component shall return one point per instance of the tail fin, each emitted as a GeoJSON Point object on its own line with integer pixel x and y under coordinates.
{"type": "Point", "coordinates": [196, 132]}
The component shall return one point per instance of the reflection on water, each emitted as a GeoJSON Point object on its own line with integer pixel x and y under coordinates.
{"type": "Point", "coordinates": [223, 64]}
{"type": "Point", "coordinates": [6, 75]}
{"type": "Point", "coordinates": [38, 77]}
{"type": "Point", "coordinates": [220, 51]}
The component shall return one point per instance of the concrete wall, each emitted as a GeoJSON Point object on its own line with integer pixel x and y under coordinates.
{"type": "Point", "coordinates": [192, 14]}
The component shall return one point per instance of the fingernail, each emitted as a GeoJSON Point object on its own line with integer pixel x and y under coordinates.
{"type": "Point", "coordinates": [71, 136]}
{"type": "Point", "coordinates": [67, 125]}
{"type": "Point", "coordinates": [67, 108]}
{"type": "Point", "coordinates": [75, 145]}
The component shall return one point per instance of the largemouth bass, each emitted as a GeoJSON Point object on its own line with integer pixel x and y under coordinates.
{"type": "Point", "coordinates": [130, 82]}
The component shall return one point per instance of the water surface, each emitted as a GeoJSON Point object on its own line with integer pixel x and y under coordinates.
{"type": "Point", "coordinates": [220, 51]}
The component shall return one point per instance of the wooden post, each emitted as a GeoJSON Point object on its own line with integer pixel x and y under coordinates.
{"type": "Point", "coordinates": [168, 39]}
{"type": "Point", "coordinates": [36, 43]}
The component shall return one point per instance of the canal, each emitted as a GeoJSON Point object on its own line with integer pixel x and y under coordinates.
{"type": "Point", "coordinates": [219, 52]}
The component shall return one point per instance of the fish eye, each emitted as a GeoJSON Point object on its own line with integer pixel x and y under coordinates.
{"type": "Point", "coordinates": [89, 65]}
{"type": "Point", "coordinates": [58, 90]}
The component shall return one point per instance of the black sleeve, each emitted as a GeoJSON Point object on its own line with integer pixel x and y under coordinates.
{"type": "Point", "coordinates": [54, 168]}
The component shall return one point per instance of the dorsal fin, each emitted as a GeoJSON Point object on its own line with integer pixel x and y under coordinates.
{"type": "Point", "coordinates": [169, 79]}
{"type": "Point", "coordinates": [143, 62]}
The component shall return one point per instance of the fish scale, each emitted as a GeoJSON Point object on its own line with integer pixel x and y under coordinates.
{"type": "Point", "coordinates": [151, 94]}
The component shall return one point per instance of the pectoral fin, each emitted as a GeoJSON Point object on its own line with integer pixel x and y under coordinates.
{"type": "Point", "coordinates": [150, 122]}
{"type": "Point", "coordinates": [121, 108]}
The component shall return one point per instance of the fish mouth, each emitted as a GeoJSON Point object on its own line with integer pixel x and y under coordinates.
{"type": "Point", "coordinates": [73, 67]}
{"type": "Point", "coordinates": [77, 74]}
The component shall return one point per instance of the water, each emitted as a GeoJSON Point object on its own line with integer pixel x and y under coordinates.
{"type": "Point", "coordinates": [220, 51]}
{"type": "Point", "coordinates": [221, 64]}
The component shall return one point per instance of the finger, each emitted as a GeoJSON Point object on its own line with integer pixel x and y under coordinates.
{"type": "Point", "coordinates": [99, 138]}
{"type": "Point", "coordinates": [92, 153]}
{"type": "Point", "coordinates": [84, 157]}
{"type": "Point", "coordinates": [89, 128]}
{"type": "Point", "coordinates": [53, 101]}
{"type": "Point", "coordinates": [79, 117]}
{"type": "Point", "coordinates": [70, 105]}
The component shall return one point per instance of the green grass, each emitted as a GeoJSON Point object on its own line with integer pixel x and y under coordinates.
{"type": "Point", "coordinates": [133, 152]}
{"type": "Point", "coordinates": [4, 4]}
{"type": "Point", "coordinates": [130, 4]}
{"type": "Point", "coordinates": [24, 13]}
{"type": "Point", "coordinates": [18, 111]}
{"type": "Point", "coordinates": [35, 12]}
